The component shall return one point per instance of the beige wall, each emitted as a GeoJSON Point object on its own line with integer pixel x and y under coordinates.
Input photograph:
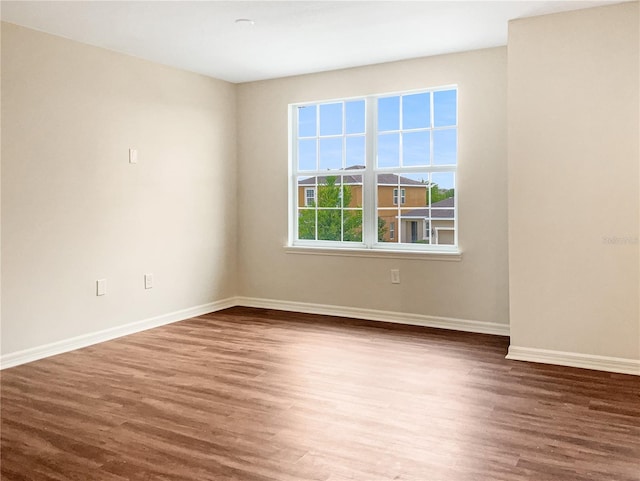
{"type": "Point", "coordinates": [573, 181]}
{"type": "Point", "coordinates": [475, 288]}
{"type": "Point", "coordinates": [74, 210]}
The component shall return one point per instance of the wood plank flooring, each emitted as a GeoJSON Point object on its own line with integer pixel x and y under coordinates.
{"type": "Point", "coordinates": [263, 395]}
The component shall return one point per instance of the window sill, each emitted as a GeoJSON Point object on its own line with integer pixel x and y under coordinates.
{"type": "Point", "coordinates": [454, 255]}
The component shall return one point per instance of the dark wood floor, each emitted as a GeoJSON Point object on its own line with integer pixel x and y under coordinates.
{"type": "Point", "coordinates": [257, 395]}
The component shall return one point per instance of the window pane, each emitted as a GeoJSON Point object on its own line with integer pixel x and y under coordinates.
{"type": "Point", "coordinates": [444, 108]}
{"type": "Point", "coordinates": [331, 119]}
{"type": "Point", "coordinates": [443, 232]}
{"type": "Point", "coordinates": [445, 149]}
{"type": "Point", "coordinates": [355, 152]}
{"type": "Point", "coordinates": [306, 191]}
{"type": "Point", "coordinates": [388, 114]}
{"type": "Point", "coordinates": [414, 190]}
{"type": "Point", "coordinates": [355, 117]}
{"type": "Point", "coordinates": [442, 211]}
{"type": "Point", "coordinates": [441, 188]}
{"type": "Point", "coordinates": [352, 225]}
{"type": "Point", "coordinates": [307, 121]}
{"type": "Point", "coordinates": [401, 195]}
{"type": "Point", "coordinates": [329, 224]}
{"type": "Point", "coordinates": [386, 185]}
{"type": "Point", "coordinates": [387, 222]}
{"type": "Point", "coordinates": [329, 192]}
{"type": "Point", "coordinates": [307, 154]}
{"type": "Point", "coordinates": [330, 153]}
{"type": "Point", "coordinates": [416, 148]}
{"type": "Point", "coordinates": [388, 150]}
{"type": "Point", "coordinates": [307, 224]}
{"type": "Point", "coordinates": [412, 226]}
{"type": "Point", "coordinates": [352, 191]}
{"type": "Point", "coordinates": [416, 111]}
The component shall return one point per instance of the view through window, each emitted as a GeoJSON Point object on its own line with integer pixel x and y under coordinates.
{"type": "Point", "coordinates": [376, 172]}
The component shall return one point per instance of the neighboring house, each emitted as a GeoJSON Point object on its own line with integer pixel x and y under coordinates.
{"type": "Point", "coordinates": [436, 222]}
{"type": "Point", "coordinates": [418, 222]}
{"type": "Point", "coordinates": [397, 192]}
{"type": "Point", "coordinates": [307, 189]}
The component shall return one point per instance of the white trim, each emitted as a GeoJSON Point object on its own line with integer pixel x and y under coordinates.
{"type": "Point", "coordinates": [574, 359]}
{"type": "Point", "coordinates": [403, 195]}
{"type": "Point", "coordinates": [377, 315]}
{"type": "Point", "coordinates": [371, 169]}
{"type": "Point", "coordinates": [560, 358]}
{"type": "Point", "coordinates": [431, 255]}
{"type": "Point", "coordinates": [306, 195]}
{"type": "Point", "coordinates": [33, 354]}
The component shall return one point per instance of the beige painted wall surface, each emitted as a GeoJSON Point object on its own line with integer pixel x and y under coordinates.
{"type": "Point", "coordinates": [475, 288]}
{"type": "Point", "coordinates": [74, 210]}
{"type": "Point", "coordinates": [573, 181]}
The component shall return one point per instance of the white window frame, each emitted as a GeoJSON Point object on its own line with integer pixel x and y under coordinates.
{"type": "Point", "coordinates": [369, 174]}
{"type": "Point", "coordinates": [392, 230]}
{"type": "Point", "coordinates": [403, 196]}
{"type": "Point", "coordinates": [427, 229]}
{"type": "Point", "coordinates": [306, 195]}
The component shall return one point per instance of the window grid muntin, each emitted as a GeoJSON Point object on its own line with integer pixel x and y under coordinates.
{"type": "Point", "coordinates": [370, 191]}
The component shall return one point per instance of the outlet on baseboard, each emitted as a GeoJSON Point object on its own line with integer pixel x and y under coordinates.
{"type": "Point", "coordinates": [148, 281]}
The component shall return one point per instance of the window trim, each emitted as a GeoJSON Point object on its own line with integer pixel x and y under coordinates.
{"type": "Point", "coordinates": [403, 196]}
{"type": "Point", "coordinates": [306, 196]}
{"type": "Point", "coordinates": [370, 242]}
{"type": "Point", "coordinates": [421, 255]}
{"type": "Point", "coordinates": [426, 234]}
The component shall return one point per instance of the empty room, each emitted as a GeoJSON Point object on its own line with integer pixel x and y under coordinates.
{"type": "Point", "coordinates": [320, 240]}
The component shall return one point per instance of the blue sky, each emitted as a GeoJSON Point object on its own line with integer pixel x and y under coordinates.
{"type": "Point", "coordinates": [412, 111]}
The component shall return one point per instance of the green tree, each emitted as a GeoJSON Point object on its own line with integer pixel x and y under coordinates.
{"type": "Point", "coordinates": [332, 220]}
{"type": "Point", "coordinates": [438, 194]}
{"type": "Point", "coordinates": [382, 229]}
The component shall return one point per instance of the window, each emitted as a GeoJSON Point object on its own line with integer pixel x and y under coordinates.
{"type": "Point", "coordinates": [309, 197]}
{"type": "Point", "coordinates": [395, 196]}
{"type": "Point", "coordinates": [369, 172]}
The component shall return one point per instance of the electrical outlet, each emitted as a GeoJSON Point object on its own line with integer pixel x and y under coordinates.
{"type": "Point", "coordinates": [101, 287]}
{"type": "Point", "coordinates": [395, 276]}
{"type": "Point", "coordinates": [148, 281]}
{"type": "Point", "coordinates": [133, 156]}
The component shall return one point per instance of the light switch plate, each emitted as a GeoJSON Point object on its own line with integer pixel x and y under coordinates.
{"type": "Point", "coordinates": [101, 287]}
{"type": "Point", "coordinates": [395, 276]}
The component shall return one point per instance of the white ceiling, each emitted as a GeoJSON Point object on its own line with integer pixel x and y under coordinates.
{"type": "Point", "coordinates": [288, 38]}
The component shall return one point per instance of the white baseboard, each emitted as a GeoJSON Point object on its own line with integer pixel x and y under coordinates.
{"type": "Point", "coordinates": [572, 359]}
{"type": "Point", "coordinates": [377, 315]}
{"type": "Point", "coordinates": [587, 361]}
{"type": "Point", "coordinates": [33, 354]}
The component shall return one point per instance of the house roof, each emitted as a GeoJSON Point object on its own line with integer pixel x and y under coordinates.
{"type": "Point", "coordinates": [322, 179]}
{"type": "Point", "coordinates": [383, 179]}
{"type": "Point", "coordinates": [437, 211]}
